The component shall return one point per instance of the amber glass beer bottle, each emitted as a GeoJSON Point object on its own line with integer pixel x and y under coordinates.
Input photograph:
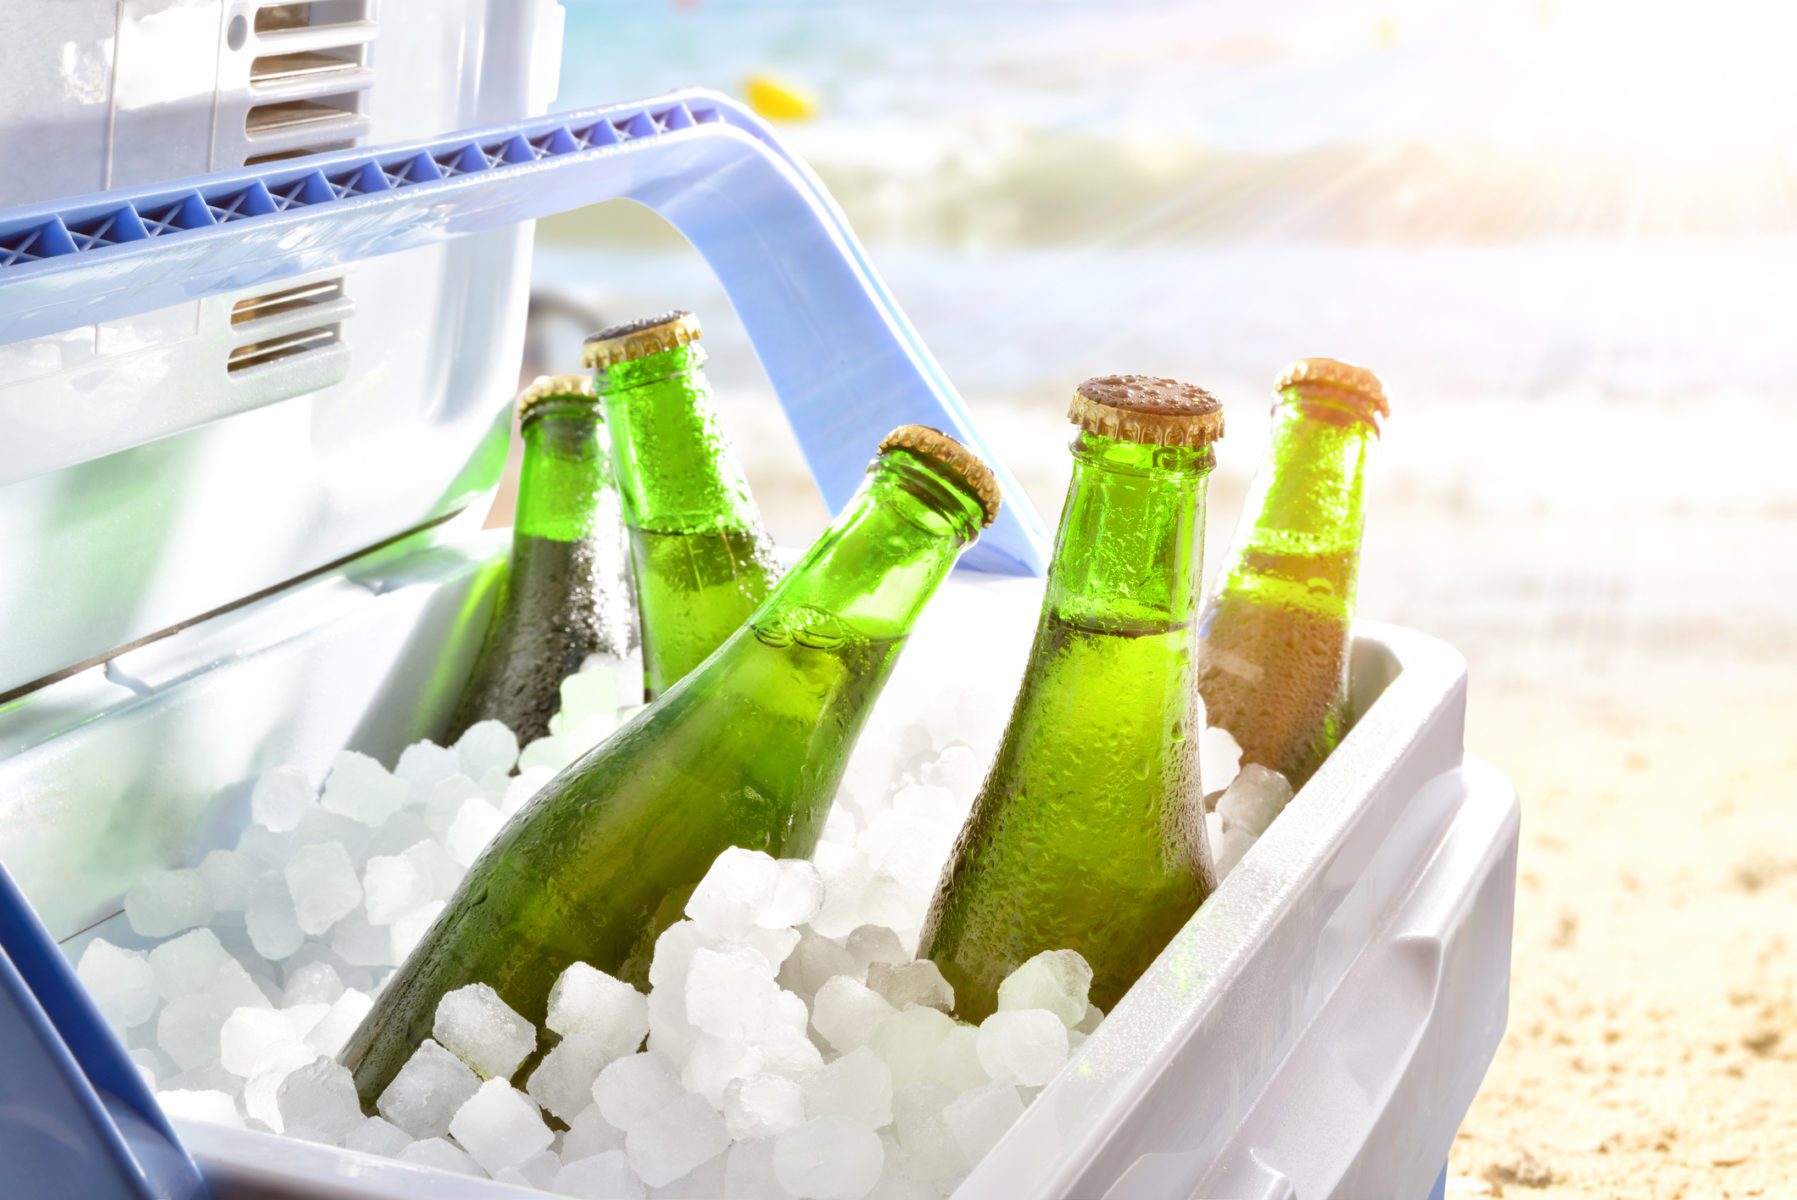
{"type": "Point", "coordinates": [1088, 833]}
{"type": "Point", "coordinates": [1273, 641]}
{"type": "Point", "coordinates": [746, 751]}
{"type": "Point", "coordinates": [702, 560]}
{"type": "Point", "coordinates": [567, 592]}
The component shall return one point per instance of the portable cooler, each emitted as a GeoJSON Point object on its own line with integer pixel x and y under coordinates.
{"type": "Point", "coordinates": [238, 417]}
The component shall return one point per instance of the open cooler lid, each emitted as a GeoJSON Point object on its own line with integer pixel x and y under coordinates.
{"type": "Point", "coordinates": [105, 544]}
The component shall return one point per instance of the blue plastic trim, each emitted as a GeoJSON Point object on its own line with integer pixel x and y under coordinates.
{"type": "Point", "coordinates": [845, 362]}
{"type": "Point", "coordinates": [76, 1118]}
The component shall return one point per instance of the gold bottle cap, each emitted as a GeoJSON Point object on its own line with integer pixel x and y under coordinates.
{"type": "Point", "coordinates": [953, 457]}
{"type": "Point", "coordinates": [556, 387]}
{"type": "Point", "coordinates": [1142, 408]}
{"type": "Point", "coordinates": [639, 339]}
{"type": "Point", "coordinates": [1357, 386]}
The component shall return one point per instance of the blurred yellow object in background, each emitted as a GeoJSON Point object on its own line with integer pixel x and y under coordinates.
{"type": "Point", "coordinates": [779, 99]}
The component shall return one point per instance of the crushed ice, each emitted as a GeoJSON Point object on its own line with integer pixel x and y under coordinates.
{"type": "Point", "coordinates": [789, 1045]}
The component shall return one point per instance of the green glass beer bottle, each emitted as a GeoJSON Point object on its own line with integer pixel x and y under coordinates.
{"type": "Point", "coordinates": [1088, 833]}
{"type": "Point", "coordinates": [1273, 641]}
{"type": "Point", "coordinates": [567, 591]}
{"type": "Point", "coordinates": [702, 561]}
{"type": "Point", "coordinates": [746, 751]}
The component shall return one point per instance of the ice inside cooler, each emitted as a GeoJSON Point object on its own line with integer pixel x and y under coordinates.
{"type": "Point", "coordinates": [146, 763]}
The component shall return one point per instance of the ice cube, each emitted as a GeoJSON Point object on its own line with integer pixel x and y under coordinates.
{"type": "Point", "coordinates": [215, 1108]}
{"type": "Point", "coordinates": [909, 1042]}
{"type": "Point", "coordinates": [632, 1089]}
{"type": "Point", "coordinates": [798, 895]}
{"type": "Point", "coordinates": [319, 1099]}
{"type": "Point", "coordinates": [360, 788]}
{"type": "Point", "coordinates": [814, 962]}
{"type": "Point", "coordinates": [163, 903]}
{"type": "Point", "coordinates": [839, 826]}
{"type": "Point", "coordinates": [475, 823]}
{"type": "Point", "coordinates": [1022, 1045]}
{"type": "Point", "coordinates": [410, 929]}
{"type": "Point", "coordinates": [187, 1028]}
{"type": "Point", "coordinates": [312, 983]}
{"type": "Point", "coordinates": [703, 1182]}
{"type": "Point", "coordinates": [894, 1185]}
{"type": "Point", "coordinates": [846, 873]}
{"type": "Point", "coordinates": [261, 1095]}
{"type": "Point", "coordinates": [483, 1031]}
{"type": "Point", "coordinates": [424, 763]}
{"type": "Point", "coordinates": [957, 1059]}
{"type": "Point", "coordinates": [523, 789]}
{"type": "Point", "coordinates": [229, 876]}
{"type": "Point", "coordinates": [1057, 980]}
{"type": "Point", "coordinates": [427, 1091]}
{"type": "Point", "coordinates": [673, 956]}
{"type": "Point", "coordinates": [674, 1139]}
{"type": "Point", "coordinates": [152, 1066]}
{"type": "Point", "coordinates": [250, 1036]}
{"type": "Point", "coordinates": [978, 1119]}
{"type": "Point", "coordinates": [332, 1032]}
{"type": "Point", "coordinates": [1219, 758]}
{"type": "Point", "coordinates": [669, 1030]}
{"type": "Point", "coordinates": [187, 963]}
{"type": "Point", "coordinates": [928, 1147]}
{"type": "Point", "coordinates": [847, 1012]}
{"type": "Point", "coordinates": [763, 1104]}
{"type": "Point", "coordinates": [121, 982]}
{"type": "Point", "coordinates": [434, 863]}
{"type": "Point", "coordinates": [714, 1063]}
{"type": "Point", "coordinates": [392, 886]}
{"type": "Point", "coordinates": [730, 994]}
{"type": "Point", "coordinates": [603, 1176]}
{"type": "Point", "coordinates": [272, 924]}
{"type": "Point", "coordinates": [935, 807]}
{"type": "Point", "coordinates": [499, 1126]}
{"type": "Point", "coordinates": [587, 694]}
{"type": "Point", "coordinates": [870, 944]}
{"type": "Point", "coordinates": [749, 1172]}
{"type": "Point", "coordinates": [589, 1133]}
{"type": "Point", "coordinates": [318, 828]}
{"type": "Point", "coordinates": [443, 1155]}
{"type": "Point", "coordinates": [1229, 846]}
{"type": "Point", "coordinates": [736, 891]}
{"type": "Point", "coordinates": [486, 746]}
{"type": "Point", "coordinates": [919, 982]}
{"type": "Point", "coordinates": [774, 945]}
{"type": "Point", "coordinates": [959, 770]}
{"type": "Point", "coordinates": [1089, 1023]}
{"type": "Point", "coordinates": [360, 944]}
{"type": "Point", "coordinates": [538, 1171]}
{"type": "Point", "coordinates": [324, 887]}
{"type": "Point", "coordinates": [264, 846]}
{"type": "Point", "coordinates": [302, 1019]}
{"type": "Point", "coordinates": [587, 1001]}
{"type": "Point", "coordinates": [894, 902]}
{"type": "Point", "coordinates": [787, 1051]}
{"type": "Point", "coordinates": [563, 1081]}
{"type": "Point", "coordinates": [1253, 799]}
{"type": "Point", "coordinates": [377, 1135]}
{"type": "Point", "coordinates": [857, 1086]}
{"type": "Point", "coordinates": [280, 798]}
{"type": "Point", "coordinates": [549, 753]}
{"type": "Point", "coordinates": [829, 1158]}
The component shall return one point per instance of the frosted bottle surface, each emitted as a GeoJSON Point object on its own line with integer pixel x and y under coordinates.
{"type": "Point", "coordinates": [567, 590]}
{"type": "Point", "coordinates": [1275, 633]}
{"type": "Point", "coordinates": [746, 751]}
{"type": "Point", "coordinates": [702, 560]}
{"type": "Point", "coordinates": [1088, 832]}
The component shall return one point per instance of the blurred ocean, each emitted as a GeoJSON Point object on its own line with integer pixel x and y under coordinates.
{"type": "Point", "coordinates": [1586, 340]}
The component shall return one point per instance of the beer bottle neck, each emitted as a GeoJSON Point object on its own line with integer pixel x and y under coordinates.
{"type": "Point", "coordinates": [566, 464]}
{"type": "Point", "coordinates": [686, 480]}
{"type": "Point", "coordinates": [880, 560]}
{"type": "Point", "coordinates": [1306, 504]}
{"type": "Point", "coordinates": [1130, 546]}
